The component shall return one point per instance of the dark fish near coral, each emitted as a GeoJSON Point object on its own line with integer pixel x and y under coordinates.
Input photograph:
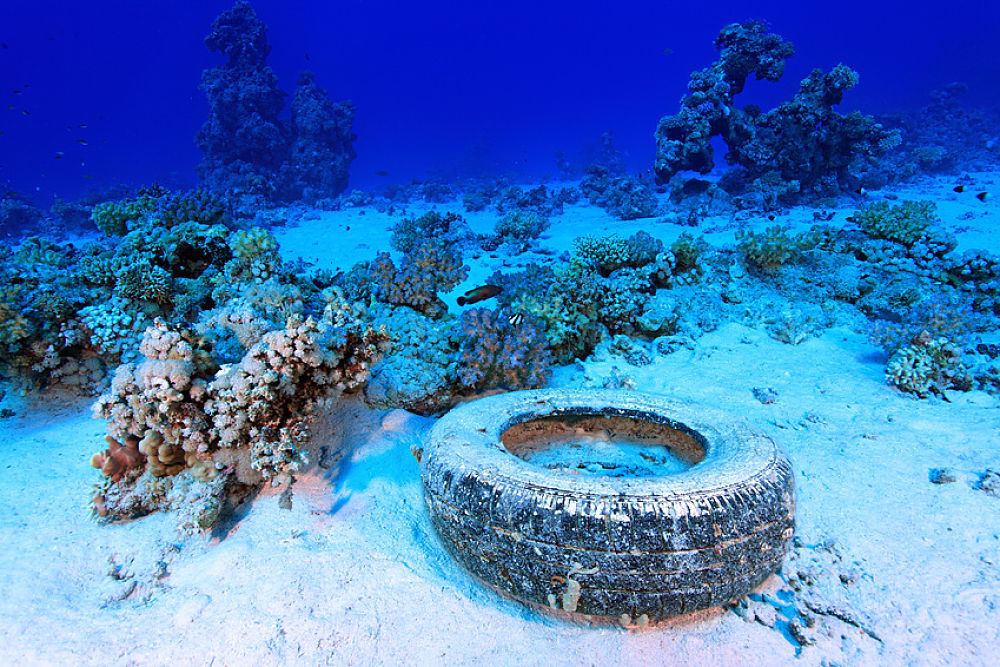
{"type": "Point", "coordinates": [861, 190]}
{"type": "Point", "coordinates": [478, 294]}
{"type": "Point", "coordinates": [982, 196]}
{"type": "Point", "coordinates": [59, 155]}
{"type": "Point", "coordinates": [959, 188]}
{"type": "Point", "coordinates": [771, 216]}
{"type": "Point", "coordinates": [516, 319]}
{"type": "Point", "coordinates": [381, 172]}
{"type": "Point", "coordinates": [82, 142]}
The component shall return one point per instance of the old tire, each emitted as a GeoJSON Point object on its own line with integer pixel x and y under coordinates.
{"type": "Point", "coordinates": [630, 549]}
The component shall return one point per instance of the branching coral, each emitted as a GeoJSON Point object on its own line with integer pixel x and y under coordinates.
{"type": "Point", "coordinates": [929, 365]}
{"type": "Point", "coordinates": [422, 274]}
{"type": "Point", "coordinates": [116, 218]}
{"type": "Point", "coordinates": [769, 251]}
{"type": "Point", "coordinates": [448, 230]}
{"type": "Point", "coordinates": [264, 404]}
{"type": "Point", "coordinates": [610, 253]}
{"type": "Point", "coordinates": [418, 372]}
{"type": "Point", "coordinates": [497, 353]}
{"type": "Point", "coordinates": [516, 226]}
{"type": "Point", "coordinates": [905, 223]}
{"type": "Point", "coordinates": [173, 418]}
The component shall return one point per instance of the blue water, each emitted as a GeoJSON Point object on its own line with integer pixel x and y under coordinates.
{"type": "Point", "coordinates": [441, 88]}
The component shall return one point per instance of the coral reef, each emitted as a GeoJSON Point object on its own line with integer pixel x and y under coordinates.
{"type": "Point", "coordinates": [264, 403]}
{"type": "Point", "coordinates": [624, 197]}
{"type": "Point", "coordinates": [905, 223]}
{"type": "Point", "coordinates": [943, 136]}
{"type": "Point", "coordinates": [424, 272]}
{"type": "Point", "coordinates": [519, 226]}
{"type": "Point", "coordinates": [322, 146]}
{"type": "Point", "coordinates": [419, 370]}
{"type": "Point", "coordinates": [250, 151]}
{"type": "Point", "coordinates": [502, 352]}
{"type": "Point", "coordinates": [768, 251]}
{"type": "Point", "coordinates": [929, 365]}
{"type": "Point", "coordinates": [449, 231]}
{"type": "Point", "coordinates": [802, 145]}
{"type": "Point", "coordinates": [172, 414]}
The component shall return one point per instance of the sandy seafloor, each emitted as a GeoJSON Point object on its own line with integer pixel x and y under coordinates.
{"type": "Point", "coordinates": [902, 571]}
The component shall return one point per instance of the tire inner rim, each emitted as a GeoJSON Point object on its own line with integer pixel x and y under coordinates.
{"type": "Point", "coordinates": [604, 445]}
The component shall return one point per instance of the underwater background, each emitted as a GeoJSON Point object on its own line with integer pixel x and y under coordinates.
{"type": "Point", "coordinates": [253, 254]}
{"type": "Point", "coordinates": [447, 89]}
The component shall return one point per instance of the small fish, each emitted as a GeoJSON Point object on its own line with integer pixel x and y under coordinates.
{"type": "Point", "coordinates": [478, 294]}
{"type": "Point", "coordinates": [3, 44]}
{"type": "Point", "coordinates": [851, 218]}
{"type": "Point", "coordinates": [59, 155]}
{"type": "Point", "coordinates": [25, 112]}
{"type": "Point", "coordinates": [82, 142]}
{"type": "Point", "coordinates": [82, 125]}
{"type": "Point", "coordinates": [516, 319]}
{"type": "Point", "coordinates": [307, 57]}
{"type": "Point", "coordinates": [770, 216]}
{"type": "Point", "coordinates": [667, 51]}
{"type": "Point", "coordinates": [381, 172]}
{"type": "Point", "coordinates": [17, 92]}
{"type": "Point", "coordinates": [959, 188]}
{"type": "Point", "coordinates": [861, 190]}
{"type": "Point", "coordinates": [982, 196]}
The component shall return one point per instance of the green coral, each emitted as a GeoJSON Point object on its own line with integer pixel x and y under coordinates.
{"type": "Point", "coordinates": [254, 243]}
{"type": "Point", "coordinates": [929, 365]}
{"type": "Point", "coordinates": [521, 225]}
{"type": "Point", "coordinates": [611, 252]}
{"type": "Point", "coordinates": [769, 251]}
{"type": "Point", "coordinates": [906, 223]}
{"type": "Point", "coordinates": [14, 327]}
{"type": "Point", "coordinates": [255, 256]}
{"type": "Point", "coordinates": [687, 249]}
{"type": "Point", "coordinates": [423, 273]}
{"type": "Point", "coordinates": [142, 281]}
{"type": "Point", "coordinates": [115, 218]}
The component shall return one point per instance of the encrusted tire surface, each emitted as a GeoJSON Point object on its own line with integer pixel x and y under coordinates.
{"type": "Point", "coordinates": [629, 548]}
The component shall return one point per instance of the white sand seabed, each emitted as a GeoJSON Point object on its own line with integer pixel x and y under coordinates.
{"type": "Point", "coordinates": [909, 571]}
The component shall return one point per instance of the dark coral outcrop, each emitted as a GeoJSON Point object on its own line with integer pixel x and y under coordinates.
{"type": "Point", "coordinates": [803, 145]}
{"type": "Point", "coordinates": [248, 149]}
